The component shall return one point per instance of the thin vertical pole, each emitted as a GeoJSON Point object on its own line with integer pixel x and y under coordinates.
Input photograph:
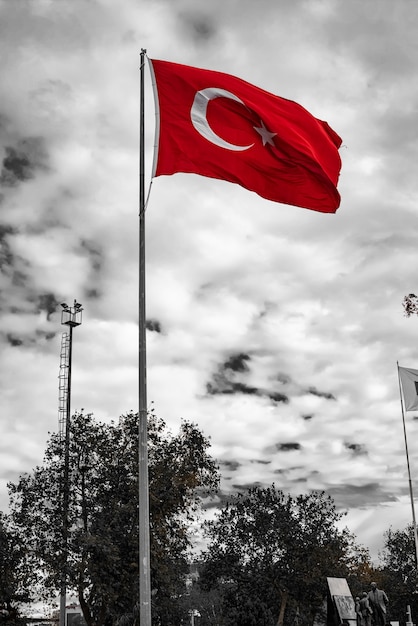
{"type": "Point", "coordinates": [65, 487]}
{"type": "Point", "coordinates": [144, 535]}
{"type": "Point", "coordinates": [408, 616]}
{"type": "Point", "coordinates": [409, 472]}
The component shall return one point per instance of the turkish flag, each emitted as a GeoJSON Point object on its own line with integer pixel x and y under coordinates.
{"type": "Point", "coordinates": [220, 126]}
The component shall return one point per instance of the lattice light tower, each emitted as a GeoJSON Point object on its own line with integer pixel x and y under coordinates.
{"type": "Point", "coordinates": [71, 317]}
{"type": "Point", "coordinates": [63, 383]}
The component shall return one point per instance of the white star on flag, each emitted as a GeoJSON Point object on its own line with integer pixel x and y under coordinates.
{"type": "Point", "coordinates": [265, 134]}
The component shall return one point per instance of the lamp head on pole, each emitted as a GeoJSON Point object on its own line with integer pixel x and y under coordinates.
{"type": "Point", "coordinates": [71, 316]}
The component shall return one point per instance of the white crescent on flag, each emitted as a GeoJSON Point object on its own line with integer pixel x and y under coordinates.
{"type": "Point", "coordinates": [198, 114]}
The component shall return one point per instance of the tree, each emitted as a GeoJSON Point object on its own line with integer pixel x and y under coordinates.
{"type": "Point", "coordinates": [410, 305]}
{"type": "Point", "coordinates": [102, 546]}
{"type": "Point", "coordinates": [12, 589]}
{"type": "Point", "coordinates": [360, 571]}
{"type": "Point", "coordinates": [269, 552]}
{"type": "Point", "coordinates": [399, 575]}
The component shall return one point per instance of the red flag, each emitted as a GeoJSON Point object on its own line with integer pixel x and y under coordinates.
{"type": "Point", "coordinates": [220, 126]}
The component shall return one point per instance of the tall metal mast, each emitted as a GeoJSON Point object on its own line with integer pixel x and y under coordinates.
{"type": "Point", "coordinates": [144, 533]}
{"type": "Point", "coordinates": [71, 317]}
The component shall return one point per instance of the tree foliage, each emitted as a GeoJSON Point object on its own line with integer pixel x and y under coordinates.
{"type": "Point", "coordinates": [399, 575]}
{"type": "Point", "coordinates": [410, 305]}
{"type": "Point", "coordinates": [12, 589]}
{"type": "Point", "coordinates": [268, 551]}
{"type": "Point", "coordinates": [102, 555]}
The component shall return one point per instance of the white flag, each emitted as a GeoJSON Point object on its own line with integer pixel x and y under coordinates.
{"type": "Point", "coordinates": [409, 380]}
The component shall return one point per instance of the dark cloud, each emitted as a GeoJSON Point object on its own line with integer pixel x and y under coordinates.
{"type": "Point", "coordinates": [13, 340]}
{"type": "Point", "coordinates": [16, 166]}
{"type": "Point", "coordinates": [261, 461]}
{"type": "Point", "coordinates": [47, 302]}
{"type": "Point", "coordinates": [29, 340]}
{"type": "Point", "coordinates": [356, 448]}
{"type": "Point", "coordinates": [22, 161]}
{"type": "Point", "coordinates": [6, 256]}
{"type": "Point", "coordinates": [44, 334]}
{"type": "Point", "coordinates": [92, 293]}
{"type": "Point", "coordinates": [94, 254]}
{"type": "Point", "coordinates": [12, 270]}
{"type": "Point", "coordinates": [277, 397]}
{"type": "Point", "coordinates": [321, 394]}
{"type": "Point", "coordinates": [224, 380]}
{"type": "Point", "coordinates": [287, 447]}
{"type": "Point", "coordinates": [284, 471]}
{"type": "Point", "coordinates": [197, 26]}
{"type": "Point", "coordinates": [5, 230]}
{"type": "Point", "coordinates": [153, 325]}
{"type": "Point", "coordinates": [301, 479]}
{"type": "Point", "coordinates": [349, 495]}
{"type": "Point", "coordinates": [232, 466]}
{"type": "Point", "coordinates": [244, 487]}
{"type": "Point", "coordinates": [237, 362]}
{"type": "Point", "coordinates": [232, 387]}
{"type": "Point", "coordinates": [19, 278]}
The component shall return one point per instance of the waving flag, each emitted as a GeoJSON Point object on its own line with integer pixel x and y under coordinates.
{"type": "Point", "coordinates": [220, 126]}
{"type": "Point", "coordinates": [409, 380]}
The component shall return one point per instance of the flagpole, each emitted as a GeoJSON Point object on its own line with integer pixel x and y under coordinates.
{"type": "Point", "coordinates": [143, 512]}
{"type": "Point", "coordinates": [409, 470]}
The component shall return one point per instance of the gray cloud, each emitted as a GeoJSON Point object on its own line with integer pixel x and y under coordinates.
{"type": "Point", "coordinates": [231, 466]}
{"type": "Point", "coordinates": [48, 303]}
{"type": "Point", "coordinates": [22, 161]}
{"type": "Point", "coordinates": [153, 326]}
{"type": "Point", "coordinates": [356, 448]}
{"type": "Point", "coordinates": [237, 363]}
{"type": "Point", "coordinates": [30, 338]}
{"type": "Point", "coordinates": [6, 256]}
{"type": "Point", "coordinates": [288, 446]}
{"type": "Point", "coordinates": [261, 461]}
{"type": "Point", "coordinates": [321, 394]}
{"type": "Point", "coordinates": [198, 27]}
{"type": "Point", "coordinates": [94, 253]}
{"type": "Point", "coordinates": [224, 380]}
{"type": "Point", "coordinates": [347, 495]}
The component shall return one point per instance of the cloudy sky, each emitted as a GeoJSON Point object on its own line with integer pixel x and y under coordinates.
{"type": "Point", "coordinates": [275, 328]}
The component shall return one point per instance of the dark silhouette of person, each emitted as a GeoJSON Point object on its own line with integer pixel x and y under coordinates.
{"type": "Point", "coordinates": [365, 610]}
{"type": "Point", "coordinates": [378, 602]}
